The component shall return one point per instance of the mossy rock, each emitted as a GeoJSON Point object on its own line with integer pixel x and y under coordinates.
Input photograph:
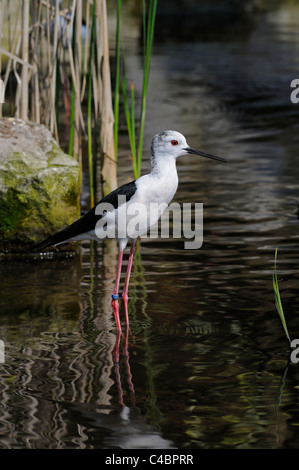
{"type": "Point", "coordinates": [39, 185]}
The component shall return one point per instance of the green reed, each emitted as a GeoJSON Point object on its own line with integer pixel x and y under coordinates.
{"type": "Point", "coordinates": [136, 145]}
{"type": "Point", "coordinates": [130, 120]}
{"type": "Point", "coordinates": [278, 300]}
{"type": "Point", "coordinates": [89, 110]}
{"type": "Point", "coordinates": [148, 36]}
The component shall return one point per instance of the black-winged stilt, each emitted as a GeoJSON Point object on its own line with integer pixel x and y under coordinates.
{"type": "Point", "coordinates": [157, 188]}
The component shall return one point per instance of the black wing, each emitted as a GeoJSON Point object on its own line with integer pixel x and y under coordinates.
{"type": "Point", "coordinates": [88, 221]}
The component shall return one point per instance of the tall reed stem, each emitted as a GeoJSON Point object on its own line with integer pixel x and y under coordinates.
{"type": "Point", "coordinates": [89, 111]}
{"type": "Point", "coordinates": [25, 57]}
{"type": "Point", "coordinates": [116, 87]}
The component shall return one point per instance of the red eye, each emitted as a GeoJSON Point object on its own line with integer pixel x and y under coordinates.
{"type": "Point", "coordinates": [174, 142]}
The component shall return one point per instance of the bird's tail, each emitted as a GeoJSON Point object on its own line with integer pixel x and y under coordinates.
{"type": "Point", "coordinates": [44, 244]}
{"type": "Point", "coordinates": [67, 234]}
{"type": "Point", "coordinates": [75, 231]}
{"type": "Point", "coordinates": [59, 237]}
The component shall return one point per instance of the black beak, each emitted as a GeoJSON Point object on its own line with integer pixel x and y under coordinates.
{"type": "Point", "coordinates": [203, 154]}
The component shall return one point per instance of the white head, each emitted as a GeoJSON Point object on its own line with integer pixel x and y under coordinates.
{"type": "Point", "coordinates": [169, 143]}
{"type": "Point", "coordinates": [174, 143]}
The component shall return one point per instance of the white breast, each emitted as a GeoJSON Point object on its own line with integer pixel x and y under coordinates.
{"type": "Point", "coordinates": [134, 218]}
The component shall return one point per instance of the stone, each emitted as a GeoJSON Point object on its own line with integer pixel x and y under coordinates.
{"type": "Point", "coordinates": [39, 184]}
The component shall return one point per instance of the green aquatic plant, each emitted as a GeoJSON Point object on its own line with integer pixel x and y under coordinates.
{"type": "Point", "coordinates": [89, 110]}
{"type": "Point", "coordinates": [278, 300]}
{"type": "Point", "coordinates": [136, 145]}
{"type": "Point", "coordinates": [148, 37]}
{"type": "Point", "coordinates": [130, 120]}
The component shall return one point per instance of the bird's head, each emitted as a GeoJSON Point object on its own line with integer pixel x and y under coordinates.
{"type": "Point", "coordinates": [174, 143]}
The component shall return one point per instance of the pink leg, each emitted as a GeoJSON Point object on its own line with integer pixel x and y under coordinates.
{"type": "Point", "coordinates": [126, 287]}
{"type": "Point", "coordinates": [115, 305]}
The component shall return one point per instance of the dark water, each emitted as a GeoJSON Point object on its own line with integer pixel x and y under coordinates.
{"type": "Point", "coordinates": [205, 364]}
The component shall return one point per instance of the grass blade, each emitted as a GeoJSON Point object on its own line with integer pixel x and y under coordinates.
{"type": "Point", "coordinates": [278, 300]}
{"type": "Point", "coordinates": [130, 120]}
{"type": "Point", "coordinates": [136, 174]}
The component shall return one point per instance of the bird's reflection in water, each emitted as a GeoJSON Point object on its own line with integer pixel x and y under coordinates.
{"type": "Point", "coordinates": [127, 427]}
{"type": "Point", "coordinates": [116, 360]}
{"type": "Point", "coordinates": [105, 423]}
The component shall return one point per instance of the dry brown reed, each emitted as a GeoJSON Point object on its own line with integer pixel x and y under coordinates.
{"type": "Point", "coordinates": [47, 52]}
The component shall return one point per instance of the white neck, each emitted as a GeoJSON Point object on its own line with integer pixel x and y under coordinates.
{"type": "Point", "coordinates": [164, 174]}
{"type": "Point", "coordinates": [164, 167]}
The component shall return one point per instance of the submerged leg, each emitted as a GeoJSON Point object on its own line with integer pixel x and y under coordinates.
{"type": "Point", "coordinates": [126, 287]}
{"type": "Point", "coordinates": [114, 302]}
